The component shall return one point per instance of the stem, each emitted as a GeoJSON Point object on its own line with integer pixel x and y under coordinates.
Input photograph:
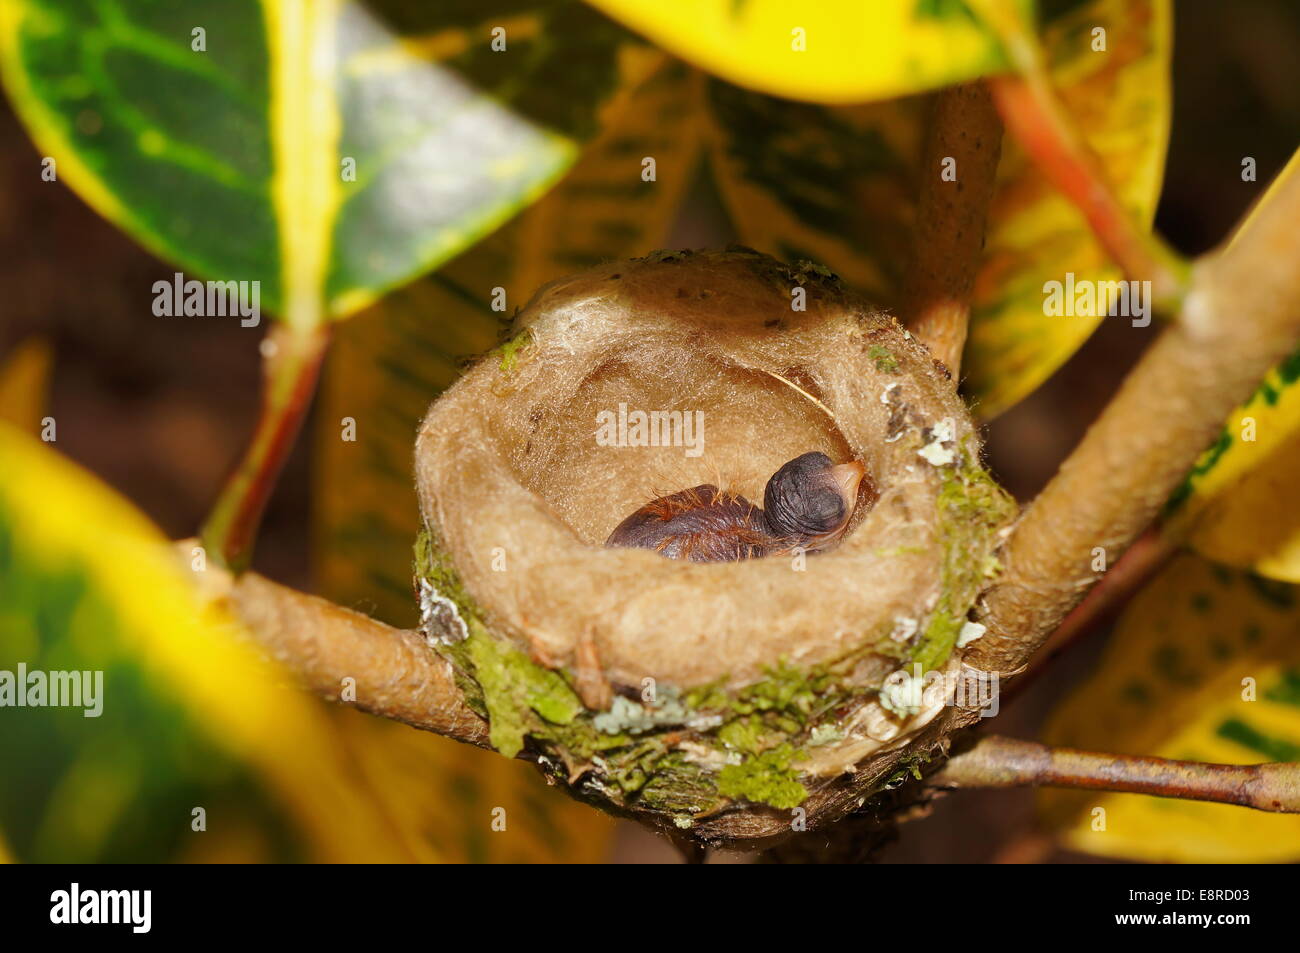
{"type": "Point", "coordinates": [292, 365]}
{"type": "Point", "coordinates": [1241, 316]}
{"type": "Point", "coordinates": [996, 762]}
{"type": "Point", "coordinates": [1041, 124]}
{"type": "Point", "coordinates": [951, 217]}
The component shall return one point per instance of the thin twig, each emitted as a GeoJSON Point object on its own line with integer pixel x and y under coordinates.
{"type": "Point", "coordinates": [964, 138]}
{"type": "Point", "coordinates": [996, 762]}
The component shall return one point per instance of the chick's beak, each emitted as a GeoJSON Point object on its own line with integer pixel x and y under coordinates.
{"type": "Point", "coordinates": [847, 477]}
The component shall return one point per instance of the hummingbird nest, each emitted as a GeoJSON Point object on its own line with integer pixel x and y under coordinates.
{"type": "Point", "coordinates": [727, 700]}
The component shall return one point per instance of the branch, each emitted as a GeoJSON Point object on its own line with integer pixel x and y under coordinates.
{"type": "Point", "coordinates": [289, 378]}
{"type": "Point", "coordinates": [951, 217]}
{"type": "Point", "coordinates": [996, 762]}
{"type": "Point", "coordinates": [396, 674]}
{"type": "Point", "coordinates": [1240, 317]}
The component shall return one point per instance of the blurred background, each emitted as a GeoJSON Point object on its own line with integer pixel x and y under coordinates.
{"type": "Point", "coordinates": [160, 410]}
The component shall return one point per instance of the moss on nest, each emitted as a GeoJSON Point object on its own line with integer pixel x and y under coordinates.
{"type": "Point", "coordinates": [972, 508]}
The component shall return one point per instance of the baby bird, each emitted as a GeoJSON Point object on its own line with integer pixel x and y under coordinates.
{"type": "Point", "coordinates": [807, 503]}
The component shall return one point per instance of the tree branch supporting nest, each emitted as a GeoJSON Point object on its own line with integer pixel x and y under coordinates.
{"type": "Point", "coordinates": [996, 762]}
{"type": "Point", "coordinates": [396, 675]}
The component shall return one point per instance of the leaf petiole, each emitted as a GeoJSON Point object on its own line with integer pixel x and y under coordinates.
{"type": "Point", "coordinates": [291, 366]}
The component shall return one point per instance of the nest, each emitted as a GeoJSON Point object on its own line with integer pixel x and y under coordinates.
{"type": "Point", "coordinates": [713, 698]}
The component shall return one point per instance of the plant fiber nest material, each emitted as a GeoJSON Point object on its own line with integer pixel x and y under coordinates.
{"type": "Point", "coordinates": [690, 692]}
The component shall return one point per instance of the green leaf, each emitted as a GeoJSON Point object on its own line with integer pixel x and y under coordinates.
{"type": "Point", "coordinates": [834, 51]}
{"type": "Point", "coordinates": [329, 149]}
{"type": "Point", "coordinates": [838, 186]}
{"type": "Point", "coordinates": [1203, 666]}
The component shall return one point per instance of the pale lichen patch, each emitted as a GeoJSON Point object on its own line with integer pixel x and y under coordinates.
{"type": "Point", "coordinates": [970, 631]}
{"type": "Point", "coordinates": [440, 620]}
{"type": "Point", "coordinates": [940, 448]}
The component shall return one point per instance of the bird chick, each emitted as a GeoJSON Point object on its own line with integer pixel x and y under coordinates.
{"type": "Point", "coordinates": [807, 504]}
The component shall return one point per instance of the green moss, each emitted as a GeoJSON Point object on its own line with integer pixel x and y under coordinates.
{"type": "Point", "coordinates": [512, 685]}
{"type": "Point", "coordinates": [512, 350]}
{"type": "Point", "coordinates": [884, 359]}
{"type": "Point", "coordinates": [680, 787]}
{"type": "Point", "coordinates": [434, 566]}
{"type": "Point", "coordinates": [972, 508]}
{"type": "Point", "coordinates": [908, 769]}
{"type": "Point", "coordinates": [767, 778]}
{"type": "Point", "coordinates": [750, 735]}
{"type": "Point", "coordinates": [710, 697]}
{"type": "Point", "coordinates": [787, 690]}
{"type": "Point", "coordinates": [827, 734]}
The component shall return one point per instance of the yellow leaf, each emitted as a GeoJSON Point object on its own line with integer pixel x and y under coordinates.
{"type": "Point", "coordinates": [1203, 666]}
{"type": "Point", "coordinates": [1237, 504]}
{"type": "Point", "coordinates": [1120, 100]}
{"type": "Point", "coordinates": [832, 185]}
{"type": "Point", "coordinates": [835, 51]}
{"type": "Point", "coordinates": [193, 717]}
{"type": "Point", "coordinates": [190, 715]}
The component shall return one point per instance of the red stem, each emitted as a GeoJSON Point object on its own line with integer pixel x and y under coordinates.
{"type": "Point", "coordinates": [292, 365]}
{"type": "Point", "coordinates": [1038, 119]}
